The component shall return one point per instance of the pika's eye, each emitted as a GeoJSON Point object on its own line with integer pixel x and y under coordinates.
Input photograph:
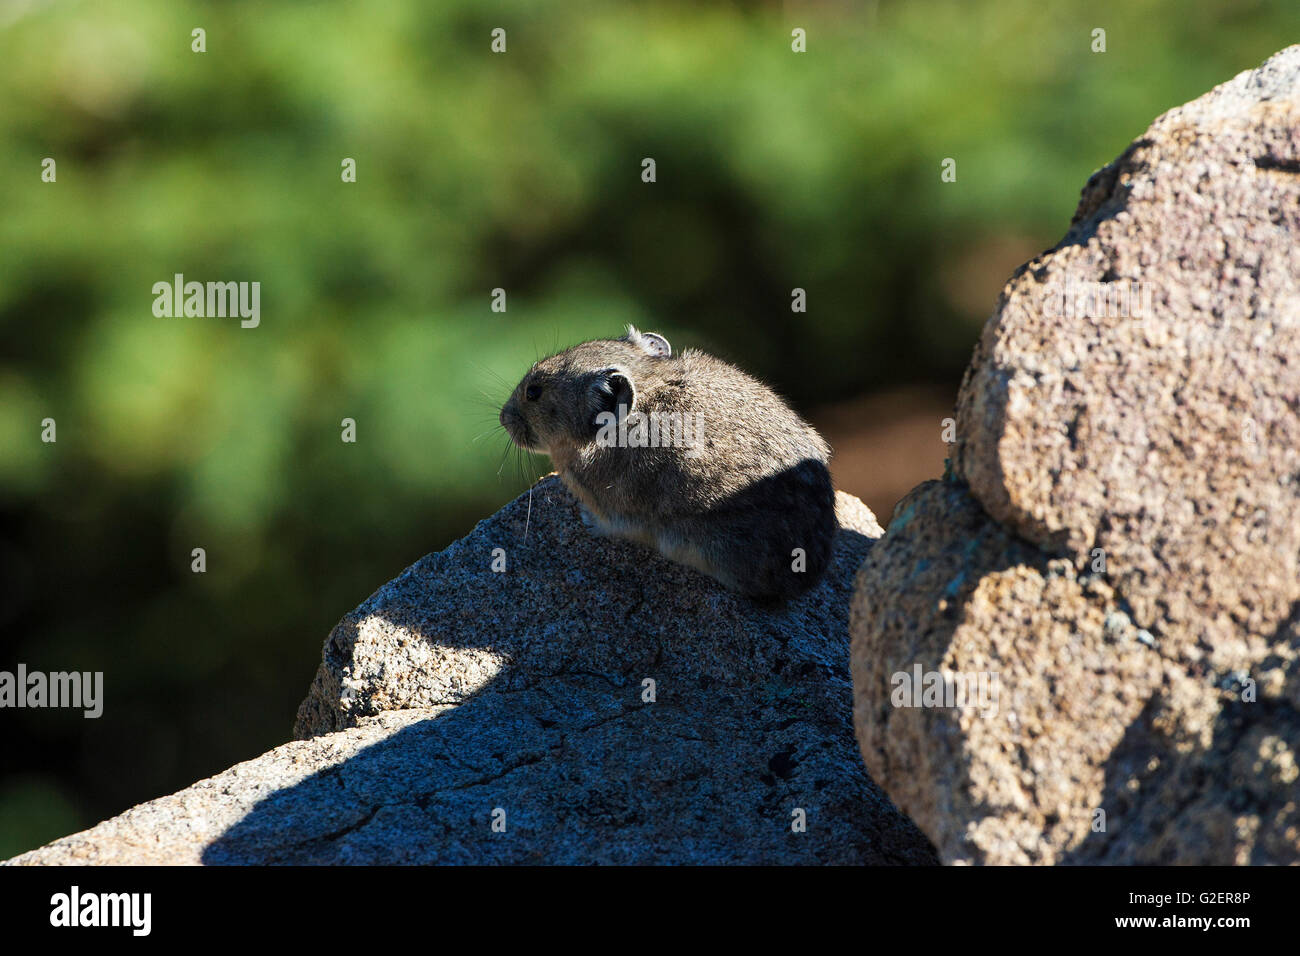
{"type": "Point", "coordinates": [533, 392]}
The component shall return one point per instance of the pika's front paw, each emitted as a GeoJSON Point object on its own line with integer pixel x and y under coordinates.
{"type": "Point", "coordinates": [592, 523]}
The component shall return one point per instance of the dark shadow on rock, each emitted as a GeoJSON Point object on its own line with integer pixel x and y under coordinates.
{"type": "Point", "coordinates": [1169, 800]}
{"type": "Point", "coordinates": [546, 725]}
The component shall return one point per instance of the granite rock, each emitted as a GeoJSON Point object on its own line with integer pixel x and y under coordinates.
{"type": "Point", "coordinates": [599, 703]}
{"type": "Point", "coordinates": [1116, 549]}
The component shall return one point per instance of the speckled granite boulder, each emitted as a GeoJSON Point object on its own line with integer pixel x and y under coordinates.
{"type": "Point", "coordinates": [586, 703]}
{"type": "Point", "coordinates": [1120, 538]}
{"type": "Point", "coordinates": [1087, 714]}
{"type": "Point", "coordinates": [1170, 440]}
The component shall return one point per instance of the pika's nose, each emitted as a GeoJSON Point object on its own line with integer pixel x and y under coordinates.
{"type": "Point", "coordinates": [502, 416]}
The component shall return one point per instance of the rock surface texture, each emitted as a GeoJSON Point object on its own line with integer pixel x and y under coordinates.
{"type": "Point", "coordinates": [1119, 540]}
{"type": "Point", "coordinates": [458, 696]}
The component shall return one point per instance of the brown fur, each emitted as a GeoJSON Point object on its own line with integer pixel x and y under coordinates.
{"type": "Point", "coordinates": [758, 489]}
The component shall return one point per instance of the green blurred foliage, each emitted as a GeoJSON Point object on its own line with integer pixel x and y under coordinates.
{"type": "Point", "coordinates": [475, 171]}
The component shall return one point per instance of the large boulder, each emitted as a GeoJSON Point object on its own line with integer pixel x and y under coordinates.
{"type": "Point", "coordinates": [1118, 540]}
{"type": "Point", "coordinates": [598, 703]}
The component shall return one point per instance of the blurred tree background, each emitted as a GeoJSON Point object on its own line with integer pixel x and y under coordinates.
{"type": "Point", "coordinates": [475, 170]}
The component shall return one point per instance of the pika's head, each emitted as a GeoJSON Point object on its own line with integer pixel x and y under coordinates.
{"type": "Point", "coordinates": [555, 407]}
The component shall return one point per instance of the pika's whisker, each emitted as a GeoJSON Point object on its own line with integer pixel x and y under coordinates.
{"type": "Point", "coordinates": [528, 517]}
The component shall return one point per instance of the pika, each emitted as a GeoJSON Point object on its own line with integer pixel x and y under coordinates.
{"type": "Point", "coordinates": [685, 454]}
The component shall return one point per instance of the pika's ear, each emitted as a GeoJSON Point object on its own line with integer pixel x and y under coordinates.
{"type": "Point", "coordinates": [612, 391]}
{"type": "Point", "coordinates": [652, 343]}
